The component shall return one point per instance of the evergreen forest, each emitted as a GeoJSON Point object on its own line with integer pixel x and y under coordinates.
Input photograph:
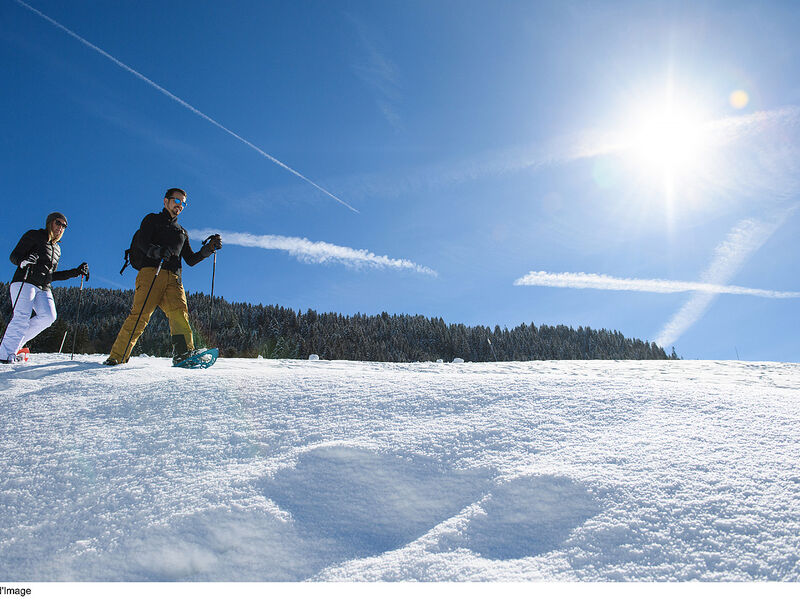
{"type": "Point", "coordinates": [246, 330]}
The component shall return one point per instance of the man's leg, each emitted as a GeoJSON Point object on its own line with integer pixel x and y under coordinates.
{"type": "Point", "coordinates": [175, 307]}
{"type": "Point", "coordinates": [121, 346]}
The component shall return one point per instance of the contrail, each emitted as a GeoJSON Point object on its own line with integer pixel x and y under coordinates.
{"type": "Point", "coordinates": [183, 103]}
{"type": "Point", "coordinates": [742, 242]}
{"type": "Point", "coordinates": [659, 286]}
{"type": "Point", "coordinates": [313, 252]}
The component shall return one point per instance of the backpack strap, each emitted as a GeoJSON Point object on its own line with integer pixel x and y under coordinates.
{"type": "Point", "coordinates": [127, 261]}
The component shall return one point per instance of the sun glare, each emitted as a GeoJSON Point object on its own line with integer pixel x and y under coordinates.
{"type": "Point", "coordinates": [668, 140]}
{"type": "Point", "coordinates": [670, 148]}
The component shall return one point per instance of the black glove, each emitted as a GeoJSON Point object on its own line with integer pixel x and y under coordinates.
{"type": "Point", "coordinates": [31, 260]}
{"type": "Point", "coordinates": [211, 244]}
{"type": "Point", "coordinates": [83, 269]}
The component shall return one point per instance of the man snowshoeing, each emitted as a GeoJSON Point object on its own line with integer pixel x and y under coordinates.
{"type": "Point", "coordinates": [162, 243]}
{"type": "Point", "coordinates": [36, 257]}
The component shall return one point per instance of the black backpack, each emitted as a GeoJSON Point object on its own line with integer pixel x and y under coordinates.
{"type": "Point", "coordinates": [133, 255]}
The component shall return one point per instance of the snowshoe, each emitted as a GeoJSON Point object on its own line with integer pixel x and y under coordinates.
{"type": "Point", "coordinates": [196, 359]}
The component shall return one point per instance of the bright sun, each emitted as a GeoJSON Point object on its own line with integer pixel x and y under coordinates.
{"type": "Point", "coordinates": [670, 148]}
{"type": "Point", "coordinates": [668, 140]}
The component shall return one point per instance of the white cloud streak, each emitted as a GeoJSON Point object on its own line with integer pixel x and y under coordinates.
{"type": "Point", "coordinates": [658, 286]}
{"type": "Point", "coordinates": [314, 252]}
{"type": "Point", "coordinates": [740, 244]}
{"type": "Point", "coordinates": [182, 102]}
{"type": "Point", "coordinates": [377, 71]}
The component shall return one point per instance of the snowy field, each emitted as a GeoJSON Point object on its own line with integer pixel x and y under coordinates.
{"type": "Point", "coordinates": [311, 470]}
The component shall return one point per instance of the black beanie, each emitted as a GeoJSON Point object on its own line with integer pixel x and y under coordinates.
{"type": "Point", "coordinates": [55, 215]}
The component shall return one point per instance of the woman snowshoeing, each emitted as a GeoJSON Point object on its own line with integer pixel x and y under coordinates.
{"type": "Point", "coordinates": [36, 257]}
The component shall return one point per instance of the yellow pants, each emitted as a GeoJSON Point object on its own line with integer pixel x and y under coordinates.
{"type": "Point", "coordinates": [169, 296]}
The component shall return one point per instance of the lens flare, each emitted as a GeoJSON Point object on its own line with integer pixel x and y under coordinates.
{"type": "Point", "coordinates": [739, 99]}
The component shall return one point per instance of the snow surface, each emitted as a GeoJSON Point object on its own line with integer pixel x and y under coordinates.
{"type": "Point", "coordinates": [268, 470]}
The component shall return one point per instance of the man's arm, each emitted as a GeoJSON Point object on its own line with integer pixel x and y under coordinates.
{"type": "Point", "coordinates": [192, 258]}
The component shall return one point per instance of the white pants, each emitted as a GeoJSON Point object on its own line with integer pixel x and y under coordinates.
{"type": "Point", "coordinates": [23, 327]}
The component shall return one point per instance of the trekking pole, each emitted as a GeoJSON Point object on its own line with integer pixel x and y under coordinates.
{"type": "Point", "coordinates": [14, 306]}
{"type": "Point", "coordinates": [211, 315]}
{"type": "Point", "coordinates": [77, 320]}
{"type": "Point", "coordinates": [146, 298]}
{"type": "Point", "coordinates": [492, 347]}
{"type": "Point", "coordinates": [213, 275]}
{"type": "Point", "coordinates": [63, 339]}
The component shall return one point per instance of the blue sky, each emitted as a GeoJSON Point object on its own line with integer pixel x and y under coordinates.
{"type": "Point", "coordinates": [491, 152]}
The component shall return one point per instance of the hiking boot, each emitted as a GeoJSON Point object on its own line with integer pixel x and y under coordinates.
{"type": "Point", "coordinates": [110, 362]}
{"type": "Point", "coordinates": [188, 354]}
{"type": "Point", "coordinates": [181, 357]}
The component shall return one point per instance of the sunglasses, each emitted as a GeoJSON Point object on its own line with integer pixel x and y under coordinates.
{"type": "Point", "coordinates": [181, 201]}
{"type": "Point", "coordinates": [60, 224]}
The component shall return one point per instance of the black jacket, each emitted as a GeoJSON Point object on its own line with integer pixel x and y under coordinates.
{"type": "Point", "coordinates": [37, 241]}
{"type": "Point", "coordinates": [162, 230]}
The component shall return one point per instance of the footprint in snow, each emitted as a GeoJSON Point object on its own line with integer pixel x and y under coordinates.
{"type": "Point", "coordinates": [529, 516]}
{"type": "Point", "coordinates": [371, 503]}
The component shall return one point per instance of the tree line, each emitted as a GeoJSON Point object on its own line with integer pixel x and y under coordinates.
{"type": "Point", "coordinates": [247, 330]}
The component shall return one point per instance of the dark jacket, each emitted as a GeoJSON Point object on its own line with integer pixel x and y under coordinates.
{"type": "Point", "coordinates": [161, 230]}
{"type": "Point", "coordinates": [37, 241]}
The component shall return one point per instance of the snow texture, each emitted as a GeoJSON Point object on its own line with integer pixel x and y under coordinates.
{"type": "Point", "coordinates": [281, 470]}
